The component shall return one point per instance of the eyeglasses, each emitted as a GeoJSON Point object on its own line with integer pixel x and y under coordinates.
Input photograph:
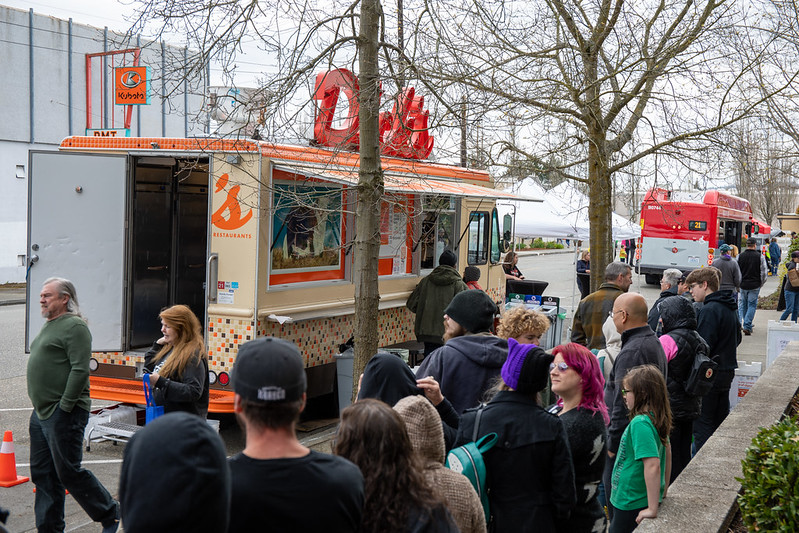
{"type": "Point", "coordinates": [563, 367]}
{"type": "Point", "coordinates": [624, 392]}
{"type": "Point", "coordinates": [614, 312]}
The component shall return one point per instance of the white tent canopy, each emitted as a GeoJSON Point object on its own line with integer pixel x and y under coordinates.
{"type": "Point", "coordinates": [563, 214]}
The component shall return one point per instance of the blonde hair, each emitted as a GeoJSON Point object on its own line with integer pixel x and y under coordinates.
{"type": "Point", "coordinates": [520, 320]}
{"type": "Point", "coordinates": [189, 343]}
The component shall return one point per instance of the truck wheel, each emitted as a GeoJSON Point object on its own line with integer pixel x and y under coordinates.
{"type": "Point", "coordinates": [652, 279]}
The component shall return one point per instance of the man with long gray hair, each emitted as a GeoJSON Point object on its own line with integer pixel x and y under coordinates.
{"type": "Point", "coordinates": [58, 386]}
{"type": "Point", "coordinates": [669, 286]}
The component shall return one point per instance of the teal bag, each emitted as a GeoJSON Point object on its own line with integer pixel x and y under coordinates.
{"type": "Point", "coordinates": [468, 460]}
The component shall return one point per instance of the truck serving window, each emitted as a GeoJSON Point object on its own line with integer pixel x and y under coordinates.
{"type": "Point", "coordinates": [395, 236]}
{"type": "Point", "coordinates": [697, 225]}
{"type": "Point", "coordinates": [307, 231]}
{"type": "Point", "coordinates": [478, 238]}
{"type": "Point", "coordinates": [438, 228]}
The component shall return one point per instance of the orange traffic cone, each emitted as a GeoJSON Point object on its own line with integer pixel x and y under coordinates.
{"type": "Point", "coordinates": [8, 465]}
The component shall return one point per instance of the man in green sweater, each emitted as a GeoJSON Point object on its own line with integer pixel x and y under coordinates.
{"type": "Point", "coordinates": [58, 386]}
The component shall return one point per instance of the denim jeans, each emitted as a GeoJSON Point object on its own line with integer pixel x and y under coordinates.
{"type": "Point", "coordinates": [747, 305]}
{"type": "Point", "coordinates": [56, 453]}
{"type": "Point", "coordinates": [791, 305]}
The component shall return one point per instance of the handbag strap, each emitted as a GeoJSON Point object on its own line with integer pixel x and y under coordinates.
{"type": "Point", "coordinates": [148, 395]}
{"type": "Point", "coordinates": [477, 422]}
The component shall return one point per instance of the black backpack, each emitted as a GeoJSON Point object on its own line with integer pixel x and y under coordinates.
{"type": "Point", "coordinates": [702, 374]}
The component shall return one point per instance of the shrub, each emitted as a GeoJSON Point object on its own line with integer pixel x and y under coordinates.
{"type": "Point", "coordinates": [770, 483]}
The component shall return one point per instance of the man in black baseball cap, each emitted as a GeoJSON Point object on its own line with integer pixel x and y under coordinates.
{"type": "Point", "coordinates": [275, 476]}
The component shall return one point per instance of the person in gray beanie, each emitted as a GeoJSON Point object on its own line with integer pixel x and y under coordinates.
{"type": "Point", "coordinates": [472, 356]}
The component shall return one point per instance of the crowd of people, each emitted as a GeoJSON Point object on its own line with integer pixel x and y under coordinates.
{"type": "Point", "coordinates": [589, 434]}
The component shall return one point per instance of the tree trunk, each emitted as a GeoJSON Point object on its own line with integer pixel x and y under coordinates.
{"type": "Point", "coordinates": [599, 210]}
{"type": "Point", "coordinates": [370, 193]}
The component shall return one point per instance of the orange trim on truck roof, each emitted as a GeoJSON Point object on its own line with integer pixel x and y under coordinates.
{"type": "Point", "coordinates": [310, 154]}
{"type": "Point", "coordinates": [132, 391]}
{"type": "Point", "coordinates": [163, 143]}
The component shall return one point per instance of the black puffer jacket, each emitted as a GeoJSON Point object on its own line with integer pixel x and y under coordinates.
{"type": "Point", "coordinates": [718, 323]}
{"type": "Point", "coordinates": [679, 323]}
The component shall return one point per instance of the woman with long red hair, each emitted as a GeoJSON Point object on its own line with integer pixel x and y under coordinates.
{"type": "Point", "coordinates": [178, 364]}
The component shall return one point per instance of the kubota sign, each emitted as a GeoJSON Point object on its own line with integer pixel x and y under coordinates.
{"type": "Point", "coordinates": [403, 131]}
{"type": "Point", "coordinates": [131, 86]}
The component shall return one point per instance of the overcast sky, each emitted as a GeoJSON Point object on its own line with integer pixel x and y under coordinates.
{"type": "Point", "coordinates": [111, 13]}
{"type": "Point", "coordinates": [99, 13]}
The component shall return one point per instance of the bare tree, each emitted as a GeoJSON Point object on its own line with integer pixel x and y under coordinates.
{"type": "Point", "coordinates": [763, 166]}
{"type": "Point", "coordinates": [302, 39]}
{"type": "Point", "coordinates": [580, 76]}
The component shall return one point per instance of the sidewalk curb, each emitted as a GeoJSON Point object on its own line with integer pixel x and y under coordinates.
{"type": "Point", "coordinates": [523, 253]}
{"type": "Point", "coordinates": [12, 302]}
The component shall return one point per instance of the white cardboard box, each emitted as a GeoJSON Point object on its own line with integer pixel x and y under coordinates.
{"type": "Point", "coordinates": [744, 380]}
{"type": "Point", "coordinates": [779, 334]}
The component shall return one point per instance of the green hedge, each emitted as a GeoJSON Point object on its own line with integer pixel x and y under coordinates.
{"type": "Point", "coordinates": [770, 485]}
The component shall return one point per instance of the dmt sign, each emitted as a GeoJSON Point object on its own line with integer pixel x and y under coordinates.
{"type": "Point", "coordinates": [403, 131]}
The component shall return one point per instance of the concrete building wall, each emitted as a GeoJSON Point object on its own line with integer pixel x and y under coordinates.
{"type": "Point", "coordinates": [43, 100]}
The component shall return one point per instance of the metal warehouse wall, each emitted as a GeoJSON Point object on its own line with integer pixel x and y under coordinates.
{"type": "Point", "coordinates": [43, 100]}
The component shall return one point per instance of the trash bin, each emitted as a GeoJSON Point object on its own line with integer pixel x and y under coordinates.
{"type": "Point", "coordinates": [344, 363]}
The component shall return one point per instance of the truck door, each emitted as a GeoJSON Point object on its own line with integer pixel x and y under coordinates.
{"type": "Point", "coordinates": [77, 205]}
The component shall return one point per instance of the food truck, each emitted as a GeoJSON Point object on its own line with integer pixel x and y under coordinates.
{"type": "Point", "coordinates": [255, 237]}
{"type": "Point", "coordinates": [684, 229]}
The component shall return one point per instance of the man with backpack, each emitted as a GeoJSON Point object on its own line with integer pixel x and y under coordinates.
{"type": "Point", "coordinates": [717, 323]}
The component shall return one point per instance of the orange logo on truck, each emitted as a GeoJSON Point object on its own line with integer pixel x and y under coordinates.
{"type": "Point", "coordinates": [231, 205]}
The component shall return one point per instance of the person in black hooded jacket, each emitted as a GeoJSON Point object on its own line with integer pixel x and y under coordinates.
{"type": "Point", "coordinates": [682, 344]}
{"type": "Point", "coordinates": [466, 366]}
{"type": "Point", "coordinates": [387, 378]}
{"type": "Point", "coordinates": [175, 477]}
{"type": "Point", "coordinates": [529, 472]}
{"type": "Point", "coordinates": [718, 324]}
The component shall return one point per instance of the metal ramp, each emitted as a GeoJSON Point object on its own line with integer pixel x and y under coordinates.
{"type": "Point", "coordinates": [113, 431]}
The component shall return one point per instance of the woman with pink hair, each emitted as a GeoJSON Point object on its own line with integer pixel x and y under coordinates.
{"type": "Point", "coordinates": [579, 384]}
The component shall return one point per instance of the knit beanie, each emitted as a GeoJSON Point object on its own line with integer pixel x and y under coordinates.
{"type": "Point", "coordinates": [448, 258]}
{"type": "Point", "coordinates": [471, 273]}
{"type": "Point", "coordinates": [473, 310]}
{"type": "Point", "coordinates": [526, 368]}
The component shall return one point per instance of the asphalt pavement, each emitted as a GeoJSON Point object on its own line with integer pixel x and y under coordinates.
{"type": "Point", "coordinates": [11, 296]}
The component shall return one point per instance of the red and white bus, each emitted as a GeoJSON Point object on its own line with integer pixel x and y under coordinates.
{"type": "Point", "coordinates": [684, 229]}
